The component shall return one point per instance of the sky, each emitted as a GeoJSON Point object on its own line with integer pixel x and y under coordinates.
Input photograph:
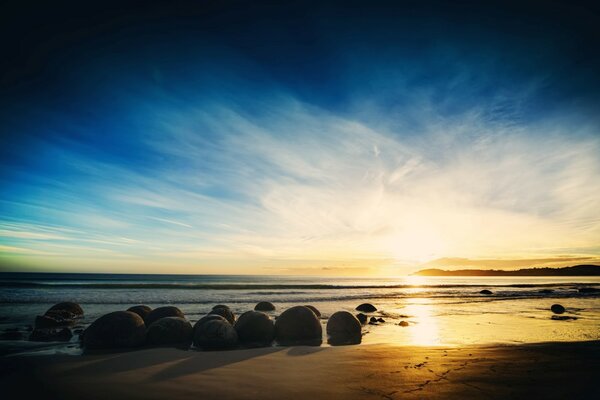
{"type": "Point", "coordinates": [304, 138]}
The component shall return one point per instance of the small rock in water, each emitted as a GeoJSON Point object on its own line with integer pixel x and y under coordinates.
{"type": "Point", "coordinates": [73, 309]}
{"type": "Point", "coordinates": [372, 321]}
{"type": "Point", "coordinates": [403, 323]}
{"type": "Point", "coordinates": [141, 310]}
{"type": "Point", "coordinates": [221, 306]}
{"type": "Point", "coordinates": [362, 318]}
{"type": "Point", "coordinates": [343, 328]}
{"type": "Point", "coordinates": [366, 307]}
{"type": "Point", "coordinates": [264, 306]}
{"type": "Point", "coordinates": [380, 320]}
{"type": "Point", "coordinates": [162, 312]}
{"type": "Point", "coordinates": [557, 309]}
{"type": "Point", "coordinates": [485, 291]}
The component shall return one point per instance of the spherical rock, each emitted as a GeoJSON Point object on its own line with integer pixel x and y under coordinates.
{"type": "Point", "coordinates": [215, 333]}
{"type": "Point", "coordinates": [373, 321]}
{"type": "Point", "coordinates": [264, 306]}
{"type": "Point", "coordinates": [221, 306]}
{"type": "Point", "coordinates": [169, 330]}
{"type": "Point", "coordinates": [255, 329]}
{"type": "Point", "coordinates": [403, 324]}
{"type": "Point", "coordinates": [162, 312]}
{"type": "Point", "coordinates": [141, 310]}
{"type": "Point", "coordinates": [314, 309]}
{"type": "Point", "coordinates": [298, 326]}
{"type": "Point", "coordinates": [225, 313]}
{"type": "Point", "coordinates": [485, 291]}
{"type": "Point", "coordinates": [119, 329]}
{"type": "Point", "coordinates": [380, 320]}
{"type": "Point", "coordinates": [366, 307]}
{"type": "Point", "coordinates": [343, 328]}
{"type": "Point", "coordinates": [73, 308]}
{"type": "Point", "coordinates": [362, 318]}
{"type": "Point", "coordinates": [557, 309]}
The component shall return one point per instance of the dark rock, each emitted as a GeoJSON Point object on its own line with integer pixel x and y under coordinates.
{"type": "Point", "coordinates": [373, 320]}
{"type": "Point", "coordinates": [380, 320]}
{"type": "Point", "coordinates": [169, 330]}
{"type": "Point", "coordinates": [53, 321]}
{"type": "Point", "coordinates": [314, 309]}
{"type": "Point", "coordinates": [557, 309]}
{"type": "Point", "coordinates": [485, 291]}
{"type": "Point", "coordinates": [298, 326]}
{"type": "Point", "coordinates": [221, 306]}
{"type": "Point", "coordinates": [264, 306]}
{"type": "Point", "coordinates": [51, 335]}
{"type": "Point", "coordinates": [362, 318]}
{"type": "Point", "coordinates": [140, 310]}
{"type": "Point", "coordinates": [119, 329]}
{"type": "Point", "coordinates": [209, 317]}
{"type": "Point", "coordinates": [403, 324]}
{"type": "Point", "coordinates": [215, 333]}
{"type": "Point", "coordinates": [11, 335]}
{"type": "Point", "coordinates": [343, 328]}
{"type": "Point", "coordinates": [225, 313]}
{"type": "Point", "coordinates": [162, 312]}
{"type": "Point", "coordinates": [366, 307]}
{"type": "Point", "coordinates": [73, 309]}
{"type": "Point", "coordinates": [255, 329]}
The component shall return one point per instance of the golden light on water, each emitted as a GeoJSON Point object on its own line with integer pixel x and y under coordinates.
{"type": "Point", "coordinates": [425, 329]}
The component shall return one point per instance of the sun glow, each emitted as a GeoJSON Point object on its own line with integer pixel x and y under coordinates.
{"type": "Point", "coordinates": [425, 330]}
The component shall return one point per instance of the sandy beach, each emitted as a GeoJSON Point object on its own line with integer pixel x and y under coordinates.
{"type": "Point", "coordinates": [548, 371]}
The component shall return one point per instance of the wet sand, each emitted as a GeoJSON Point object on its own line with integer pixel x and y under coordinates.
{"type": "Point", "coordinates": [549, 371]}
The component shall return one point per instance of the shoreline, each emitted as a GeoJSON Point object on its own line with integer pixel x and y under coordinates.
{"type": "Point", "coordinates": [539, 370]}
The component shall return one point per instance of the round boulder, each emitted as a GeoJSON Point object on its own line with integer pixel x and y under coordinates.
{"type": "Point", "coordinates": [403, 324]}
{"type": "Point", "coordinates": [140, 310]}
{"type": "Point", "coordinates": [343, 328]}
{"type": "Point", "coordinates": [119, 329]}
{"type": "Point", "coordinates": [221, 306]}
{"type": "Point", "coordinates": [225, 313]}
{"type": "Point", "coordinates": [264, 306]}
{"type": "Point", "coordinates": [255, 329]}
{"type": "Point", "coordinates": [214, 333]}
{"type": "Point", "coordinates": [169, 330]}
{"type": "Point", "coordinates": [485, 291]}
{"type": "Point", "coordinates": [298, 326]}
{"type": "Point", "coordinates": [69, 307]}
{"type": "Point", "coordinates": [362, 318]}
{"type": "Point", "coordinates": [314, 309]}
{"type": "Point", "coordinates": [162, 312]}
{"type": "Point", "coordinates": [366, 307]}
{"type": "Point", "coordinates": [557, 309]}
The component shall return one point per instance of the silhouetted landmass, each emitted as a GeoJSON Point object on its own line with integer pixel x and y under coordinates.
{"type": "Point", "coordinates": [576, 270]}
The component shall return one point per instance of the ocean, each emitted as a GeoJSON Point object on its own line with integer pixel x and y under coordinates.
{"type": "Point", "coordinates": [445, 311]}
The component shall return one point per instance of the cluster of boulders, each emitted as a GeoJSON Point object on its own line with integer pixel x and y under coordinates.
{"type": "Point", "coordinates": [219, 329]}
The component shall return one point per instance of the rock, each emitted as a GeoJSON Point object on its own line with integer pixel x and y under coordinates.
{"type": "Point", "coordinates": [557, 309]}
{"type": "Point", "coordinates": [563, 318]}
{"type": "Point", "coordinates": [255, 329]}
{"type": "Point", "coordinates": [343, 328]}
{"type": "Point", "coordinates": [11, 334]}
{"type": "Point", "coordinates": [162, 312]}
{"type": "Point", "coordinates": [264, 306]}
{"type": "Point", "coordinates": [221, 306]}
{"type": "Point", "coordinates": [485, 291]}
{"type": "Point", "coordinates": [225, 313]}
{"type": "Point", "coordinates": [52, 321]}
{"type": "Point", "coordinates": [298, 326]}
{"type": "Point", "coordinates": [314, 309]}
{"type": "Point", "coordinates": [380, 320]}
{"type": "Point", "coordinates": [51, 335]}
{"type": "Point", "coordinates": [141, 310]}
{"type": "Point", "coordinates": [73, 309]}
{"type": "Point", "coordinates": [119, 329]}
{"type": "Point", "coordinates": [366, 307]}
{"type": "Point", "coordinates": [362, 318]}
{"type": "Point", "coordinates": [403, 324]}
{"type": "Point", "coordinates": [208, 317]}
{"type": "Point", "coordinates": [169, 330]}
{"type": "Point", "coordinates": [215, 333]}
{"type": "Point", "coordinates": [373, 321]}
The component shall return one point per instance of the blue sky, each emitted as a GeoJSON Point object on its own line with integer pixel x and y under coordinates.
{"type": "Point", "coordinates": [302, 139]}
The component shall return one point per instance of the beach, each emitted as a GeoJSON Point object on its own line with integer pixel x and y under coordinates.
{"type": "Point", "coordinates": [532, 371]}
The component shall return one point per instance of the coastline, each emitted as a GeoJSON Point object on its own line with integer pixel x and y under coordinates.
{"type": "Point", "coordinates": [540, 370]}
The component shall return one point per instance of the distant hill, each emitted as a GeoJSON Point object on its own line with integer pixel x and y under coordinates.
{"type": "Point", "coordinates": [577, 270]}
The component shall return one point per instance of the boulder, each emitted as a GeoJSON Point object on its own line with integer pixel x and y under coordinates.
{"type": "Point", "coordinates": [225, 313]}
{"type": "Point", "coordinates": [298, 326]}
{"type": "Point", "coordinates": [403, 324]}
{"type": "Point", "coordinates": [59, 315]}
{"type": "Point", "coordinates": [314, 309]}
{"type": "Point", "coordinates": [169, 330]}
{"type": "Point", "coordinates": [366, 307]}
{"type": "Point", "coordinates": [51, 335]}
{"type": "Point", "coordinates": [264, 306]}
{"type": "Point", "coordinates": [362, 318]}
{"type": "Point", "coordinates": [373, 320]}
{"type": "Point", "coordinates": [380, 320]}
{"type": "Point", "coordinates": [221, 306]}
{"type": "Point", "coordinates": [162, 312]}
{"type": "Point", "coordinates": [485, 291]}
{"type": "Point", "coordinates": [73, 309]}
{"type": "Point", "coordinates": [214, 333]}
{"type": "Point", "coordinates": [119, 329]}
{"type": "Point", "coordinates": [255, 329]}
{"type": "Point", "coordinates": [140, 310]}
{"type": "Point", "coordinates": [52, 321]}
{"type": "Point", "coordinates": [343, 328]}
{"type": "Point", "coordinates": [208, 317]}
{"type": "Point", "coordinates": [557, 309]}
